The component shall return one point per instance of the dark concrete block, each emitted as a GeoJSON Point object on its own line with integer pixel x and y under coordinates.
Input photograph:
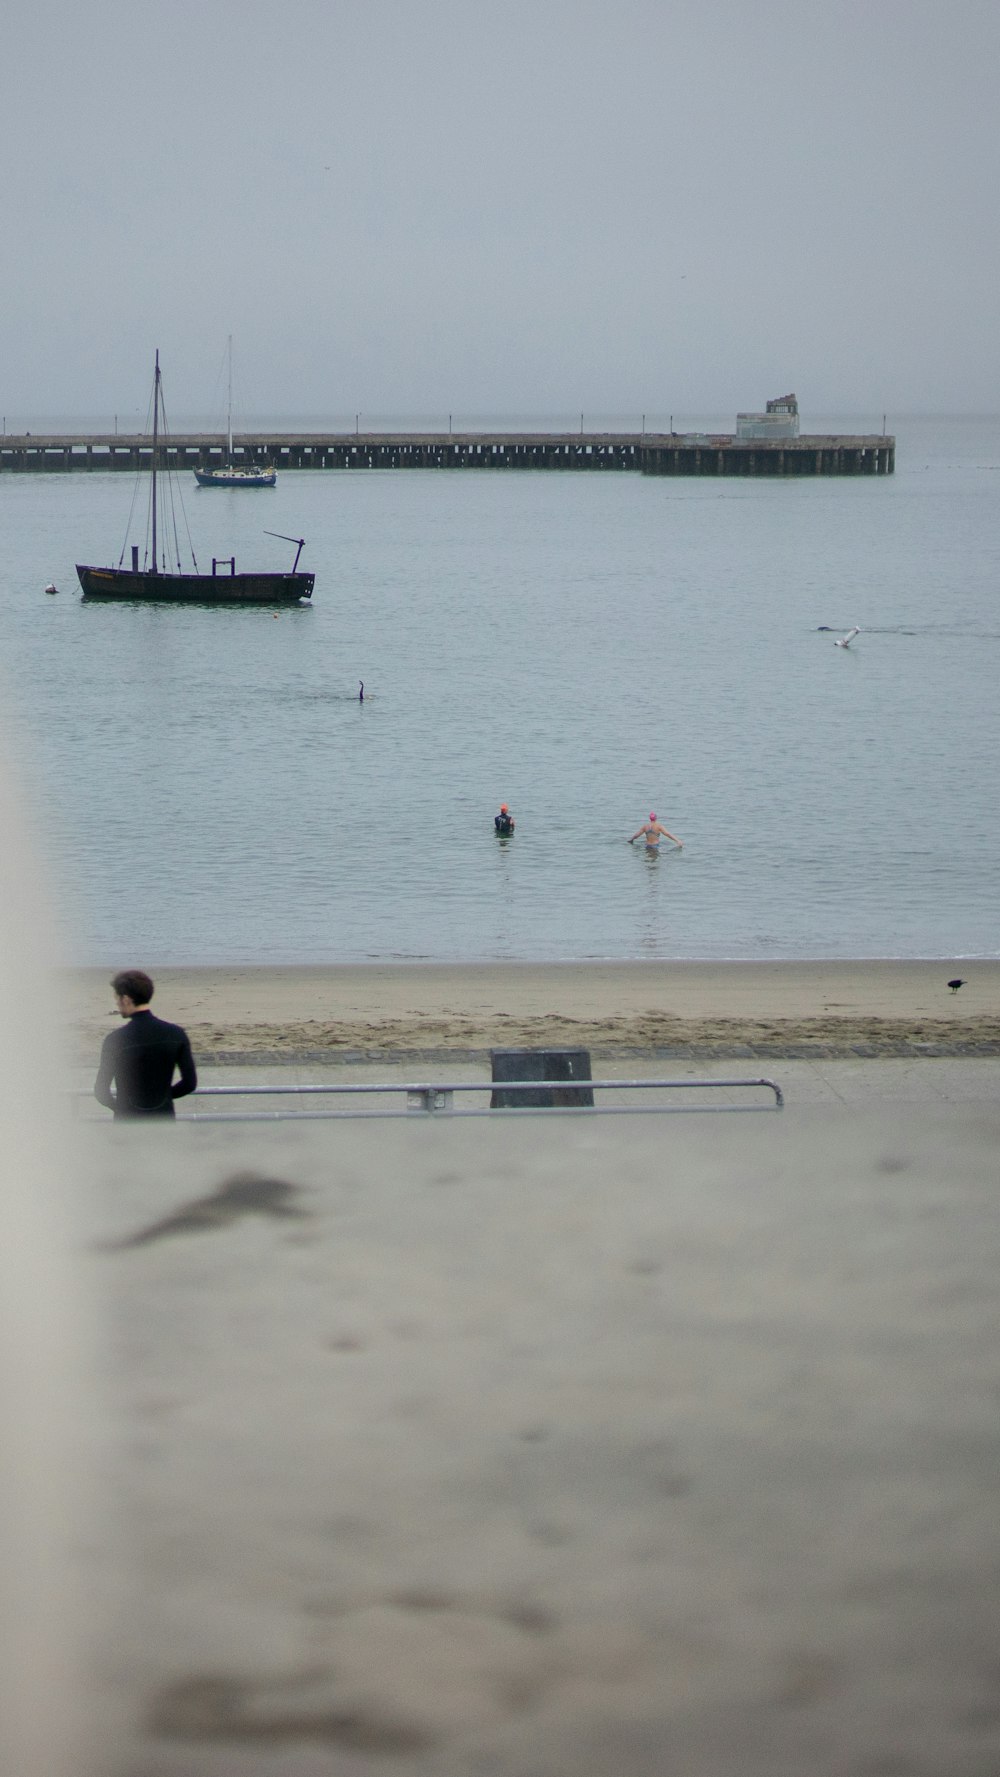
{"type": "Point", "coordinates": [550, 1065]}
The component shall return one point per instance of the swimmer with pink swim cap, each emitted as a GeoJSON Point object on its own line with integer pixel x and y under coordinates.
{"type": "Point", "coordinates": [652, 831]}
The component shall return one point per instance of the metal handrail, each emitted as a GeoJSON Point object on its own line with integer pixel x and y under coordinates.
{"type": "Point", "coordinates": [438, 1098]}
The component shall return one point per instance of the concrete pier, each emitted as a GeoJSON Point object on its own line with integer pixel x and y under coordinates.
{"type": "Point", "coordinates": [820, 454]}
{"type": "Point", "coordinates": [672, 453]}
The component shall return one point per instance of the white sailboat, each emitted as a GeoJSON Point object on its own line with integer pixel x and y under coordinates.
{"type": "Point", "coordinates": [229, 474]}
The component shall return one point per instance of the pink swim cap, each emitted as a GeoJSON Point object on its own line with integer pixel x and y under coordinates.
{"type": "Point", "coordinates": [652, 817]}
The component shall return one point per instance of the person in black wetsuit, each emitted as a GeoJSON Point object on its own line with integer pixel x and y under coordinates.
{"type": "Point", "coordinates": [504, 821]}
{"type": "Point", "coordinates": [136, 1073]}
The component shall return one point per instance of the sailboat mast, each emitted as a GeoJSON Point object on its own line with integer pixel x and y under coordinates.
{"type": "Point", "coordinates": [229, 409]}
{"type": "Point", "coordinates": [156, 415]}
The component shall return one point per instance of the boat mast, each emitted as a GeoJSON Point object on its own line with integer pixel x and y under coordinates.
{"type": "Point", "coordinates": [229, 409]}
{"type": "Point", "coordinates": [156, 415]}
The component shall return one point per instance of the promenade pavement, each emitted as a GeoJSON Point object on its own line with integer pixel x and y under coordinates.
{"type": "Point", "coordinates": [603, 1446]}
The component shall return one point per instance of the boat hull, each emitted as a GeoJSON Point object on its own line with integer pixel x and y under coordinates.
{"type": "Point", "coordinates": [195, 589]}
{"type": "Point", "coordinates": [236, 477]}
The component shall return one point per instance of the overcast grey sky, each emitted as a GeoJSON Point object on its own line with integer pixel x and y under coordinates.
{"type": "Point", "coordinates": [408, 206]}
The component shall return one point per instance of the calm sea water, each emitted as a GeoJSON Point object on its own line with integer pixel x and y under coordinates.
{"type": "Point", "coordinates": [586, 647]}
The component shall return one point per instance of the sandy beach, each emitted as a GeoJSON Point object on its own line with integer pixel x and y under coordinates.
{"type": "Point", "coordinates": [381, 1009]}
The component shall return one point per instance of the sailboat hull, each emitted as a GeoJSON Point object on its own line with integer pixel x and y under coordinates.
{"type": "Point", "coordinates": [195, 589]}
{"type": "Point", "coordinates": [236, 477]}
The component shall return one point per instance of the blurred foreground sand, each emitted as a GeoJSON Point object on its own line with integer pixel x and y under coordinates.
{"type": "Point", "coordinates": [598, 1448]}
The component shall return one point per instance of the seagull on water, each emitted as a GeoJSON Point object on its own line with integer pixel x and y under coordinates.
{"type": "Point", "coordinates": [845, 641]}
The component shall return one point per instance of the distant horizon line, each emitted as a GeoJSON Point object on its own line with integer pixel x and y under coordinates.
{"type": "Point", "coordinates": [573, 416]}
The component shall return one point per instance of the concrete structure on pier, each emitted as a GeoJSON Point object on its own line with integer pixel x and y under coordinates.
{"type": "Point", "coordinates": [781, 420]}
{"type": "Point", "coordinates": [670, 453]}
{"type": "Point", "coordinates": [820, 454]}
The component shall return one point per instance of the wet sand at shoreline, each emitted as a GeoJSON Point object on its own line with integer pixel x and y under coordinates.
{"type": "Point", "coordinates": [710, 1008]}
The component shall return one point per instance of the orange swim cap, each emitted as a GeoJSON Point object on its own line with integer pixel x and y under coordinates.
{"type": "Point", "coordinates": [503, 808]}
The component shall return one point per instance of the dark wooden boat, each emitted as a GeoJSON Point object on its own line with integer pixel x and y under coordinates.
{"type": "Point", "coordinates": [153, 580]}
{"type": "Point", "coordinates": [198, 589]}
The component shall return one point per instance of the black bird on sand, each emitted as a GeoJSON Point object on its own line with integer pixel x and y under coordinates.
{"type": "Point", "coordinates": [956, 984]}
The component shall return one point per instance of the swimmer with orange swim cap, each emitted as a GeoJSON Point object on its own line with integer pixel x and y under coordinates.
{"type": "Point", "coordinates": [504, 821]}
{"type": "Point", "coordinates": [653, 830]}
